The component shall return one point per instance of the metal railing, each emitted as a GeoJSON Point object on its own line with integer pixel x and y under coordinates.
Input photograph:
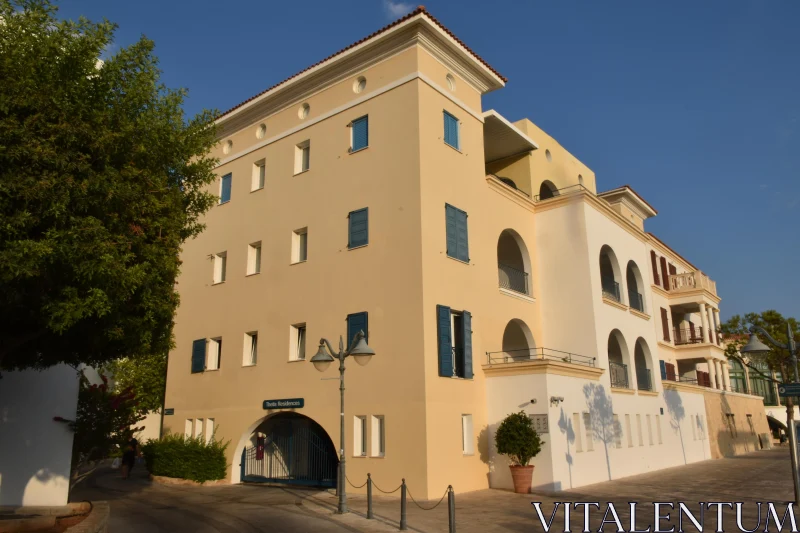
{"type": "Point", "coordinates": [688, 335]}
{"type": "Point", "coordinates": [636, 301]}
{"type": "Point", "coordinates": [610, 289]}
{"type": "Point", "coordinates": [643, 379]}
{"type": "Point", "coordinates": [538, 354]}
{"type": "Point", "coordinates": [619, 375]}
{"type": "Point", "coordinates": [560, 192]}
{"type": "Point", "coordinates": [513, 279]}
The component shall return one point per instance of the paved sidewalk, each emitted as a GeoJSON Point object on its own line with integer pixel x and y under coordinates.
{"type": "Point", "coordinates": [138, 505]}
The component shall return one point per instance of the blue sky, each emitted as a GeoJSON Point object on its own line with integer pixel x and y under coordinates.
{"type": "Point", "coordinates": [694, 104]}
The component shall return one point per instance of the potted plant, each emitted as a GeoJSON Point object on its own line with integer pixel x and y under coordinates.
{"type": "Point", "coordinates": [517, 439]}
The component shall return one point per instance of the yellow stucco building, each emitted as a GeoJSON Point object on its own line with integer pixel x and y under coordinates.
{"type": "Point", "coordinates": [372, 191]}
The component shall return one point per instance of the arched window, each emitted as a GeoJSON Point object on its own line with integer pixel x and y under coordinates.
{"type": "Point", "coordinates": [513, 263]}
{"type": "Point", "coordinates": [635, 287]}
{"type": "Point", "coordinates": [518, 342]}
{"type": "Point", "coordinates": [644, 368]}
{"type": "Point", "coordinates": [618, 360]}
{"type": "Point", "coordinates": [609, 274]}
{"type": "Point", "coordinates": [547, 190]}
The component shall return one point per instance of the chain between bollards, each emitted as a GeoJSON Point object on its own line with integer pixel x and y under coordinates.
{"type": "Point", "coordinates": [451, 508]}
{"type": "Point", "coordinates": [403, 522]}
{"type": "Point", "coordinates": [369, 497]}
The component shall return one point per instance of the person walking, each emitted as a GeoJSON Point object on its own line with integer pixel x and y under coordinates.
{"type": "Point", "coordinates": [129, 458]}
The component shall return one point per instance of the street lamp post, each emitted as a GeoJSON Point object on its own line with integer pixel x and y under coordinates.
{"type": "Point", "coordinates": [755, 347]}
{"type": "Point", "coordinates": [362, 353]}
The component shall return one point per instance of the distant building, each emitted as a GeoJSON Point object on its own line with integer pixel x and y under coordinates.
{"type": "Point", "coordinates": [372, 192]}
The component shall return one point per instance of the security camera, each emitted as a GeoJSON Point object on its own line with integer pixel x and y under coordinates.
{"type": "Point", "coordinates": [533, 400]}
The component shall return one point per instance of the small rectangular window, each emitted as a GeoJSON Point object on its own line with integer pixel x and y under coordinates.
{"type": "Point", "coordinates": [225, 188]}
{"type": "Point", "coordinates": [378, 436]}
{"type": "Point", "coordinates": [359, 134]}
{"type": "Point", "coordinates": [358, 228]}
{"type": "Point", "coordinates": [658, 428]}
{"type": "Point", "coordinates": [617, 430]}
{"type": "Point", "coordinates": [209, 429]}
{"type": "Point", "coordinates": [298, 342]}
{"type": "Point", "coordinates": [576, 429]}
{"type": "Point", "coordinates": [250, 355]}
{"type": "Point", "coordinates": [649, 431]}
{"type": "Point", "coordinates": [587, 426]}
{"type": "Point", "coordinates": [467, 435]}
{"type": "Point", "coordinates": [188, 428]}
{"type": "Point", "coordinates": [300, 245]}
{"type": "Point", "coordinates": [259, 175]}
{"type": "Point", "coordinates": [198, 428]}
{"type": "Point", "coordinates": [451, 130]}
{"type": "Point", "coordinates": [360, 436]}
{"type": "Point", "coordinates": [750, 424]}
{"type": "Point", "coordinates": [302, 157]}
{"type": "Point", "coordinates": [694, 421]}
{"type": "Point", "coordinates": [700, 424]}
{"type": "Point", "coordinates": [456, 232]}
{"type": "Point", "coordinates": [639, 429]}
{"type": "Point", "coordinates": [214, 355]}
{"type": "Point", "coordinates": [628, 431]}
{"type": "Point", "coordinates": [254, 258]}
{"type": "Point", "coordinates": [220, 267]}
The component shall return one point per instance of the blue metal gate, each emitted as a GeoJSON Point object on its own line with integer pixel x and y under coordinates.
{"type": "Point", "coordinates": [292, 450]}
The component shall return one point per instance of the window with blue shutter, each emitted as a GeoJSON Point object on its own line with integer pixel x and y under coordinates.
{"type": "Point", "coordinates": [456, 227]}
{"type": "Point", "coordinates": [358, 231]}
{"type": "Point", "coordinates": [466, 348]}
{"type": "Point", "coordinates": [445, 346]}
{"type": "Point", "coordinates": [360, 132]}
{"type": "Point", "coordinates": [451, 130]}
{"type": "Point", "coordinates": [663, 369]}
{"type": "Point", "coordinates": [357, 322]}
{"type": "Point", "coordinates": [198, 356]}
{"type": "Point", "coordinates": [225, 189]}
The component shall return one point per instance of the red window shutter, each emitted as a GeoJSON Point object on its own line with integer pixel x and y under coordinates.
{"type": "Point", "coordinates": [671, 374]}
{"type": "Point", "coordinates": [665, 324]}
{"type": "Point", "coordinates": [691, 331]}
{"type": "Point", "coordinates": [664, 276]}
{"type": "Point", "coordinates": [672, 270]}
{"type": "Point", "coordinates": [653, 260]}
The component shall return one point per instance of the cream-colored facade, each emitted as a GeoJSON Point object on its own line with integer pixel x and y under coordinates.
{"type": "Point", "coordinates": [542, 301]}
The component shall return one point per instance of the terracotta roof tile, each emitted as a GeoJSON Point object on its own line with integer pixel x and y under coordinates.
{"type": "Point", "coordinates": [417, 11]}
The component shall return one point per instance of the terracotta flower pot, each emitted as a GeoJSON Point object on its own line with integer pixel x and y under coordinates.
{"type": "Point", "coordinates": [522, 476]}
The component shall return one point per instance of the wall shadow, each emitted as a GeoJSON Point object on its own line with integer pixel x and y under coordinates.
{"type": "Point", "coordinates": [565, 426]}
{"type": "Point", "coordinates": [604, 428]}
{"type": "Point", "coordinates": [677, 413]}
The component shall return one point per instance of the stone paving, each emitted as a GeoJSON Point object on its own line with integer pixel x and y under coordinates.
{"type": "Point", "coordinates": [757, 477]}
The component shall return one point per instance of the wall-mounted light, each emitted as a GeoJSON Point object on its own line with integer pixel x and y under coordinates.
{"type": "Point", "coordinates": [555, 400]}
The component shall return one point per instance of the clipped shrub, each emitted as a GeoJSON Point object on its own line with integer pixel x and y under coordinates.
{"type": "Point", "coordinates": [186, 457]}
{"type": "Point", "coordinates": [517, 439]}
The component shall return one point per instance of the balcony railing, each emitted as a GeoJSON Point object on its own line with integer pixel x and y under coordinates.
{"type": "Point", "coordinates": [513, 279]}
{"type": "Point", "coordinates": [619, 375]}
{"type": "Point", "coordinates": [610, 289]}
{"type": "Point", "coordinates": [636, 300]}
{"type": "Point", "coordinates": [688, 336]}
{"type": "Point", "coordinates": [538, 354]}
{"type": "Point", "coordinates": [644, 380]}
{"type": "Point", "coordinates": [561, 192]}
{"type": "Point", "coordinates": [689, 281]}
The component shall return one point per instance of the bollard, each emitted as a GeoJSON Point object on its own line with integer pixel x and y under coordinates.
{"type": "Point", "coordinates": [451, 508]}
{"type": "Point", "coordinates": [369, 497]}
{"type": "Point", "coordinates": [403, 524]}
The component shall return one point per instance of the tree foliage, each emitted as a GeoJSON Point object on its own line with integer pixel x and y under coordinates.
{"type": "Point", "coordinates": [145, 375]}
{"type": "Point", "coordinates": [517, 439]}
{"type": "Point", "coordinates": [736, 333]}
{"type": "Point", "coordinates": [101, 180]}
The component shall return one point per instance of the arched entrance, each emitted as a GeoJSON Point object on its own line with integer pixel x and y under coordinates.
{"type": "Point", "coordinates": [644, 370]}
{"type": "Point", "coordinates": [618, 361]}
{"type": "Point", "coordinates": [513, 262]}
{"type": "Point", "coordinates": [518, 342]}
{"type": "Point", "coordinates": [547, 190]}
{"type": "Point", "coordinates": [635, 286]}
{"type": "Point", "coordinates": [609, 274]}
{"type": "Point", "coordinates": [289, 448]}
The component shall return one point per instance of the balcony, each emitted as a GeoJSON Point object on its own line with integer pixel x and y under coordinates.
{"type": "Point", "coordinates": [538, 354]}
{"type": "Point", "coordinates": [688, 336]}
{"type": "Point", "coordinates": [610, 289]}
{"type": "Point", "coordinates": [644, 380]}
{"type": "Point", "coordinates": [636, 301]}
{"type": "Point", "coordinates": [513, 279]}
{"type": "Point", "coordinates": [618, 373]}
{"type": "Point", "coordinates": [691, 281]}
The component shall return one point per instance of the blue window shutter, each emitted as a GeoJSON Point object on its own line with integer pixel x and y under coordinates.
{"type": "Point", "coordinates": [451, 213]}
{"type": "Point", "coordinates": [444, 341]}
{"type": "Point", "coordinates": [467, 336]}
{"type": "Point", "coordinates": [198, 356]}
{"type": "Point", "coordinates": [360, 133]}
{"type": "Point", "coordinates": [358, 234]}
{"type": "Point", "coordinates": [225, 195]}
{"type": "Point", "coordinates": [462, 239]}
{"type": "Point", "coordinates": [663, 369]}
{"type": "Point", "coordinates": [450, 130]}
{"type": "Point", "coordinates": [355, 323]}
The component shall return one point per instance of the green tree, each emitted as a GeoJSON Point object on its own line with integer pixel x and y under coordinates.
{"type": "Point", "coordinates": [145, 375]}
{"type": "Point", "coordinates": [736, 334]}
{"type": "Point", "coordinates": [102, 178]}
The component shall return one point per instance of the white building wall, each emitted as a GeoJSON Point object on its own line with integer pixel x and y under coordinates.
{"type": "Point", "coordinates": [36, 451]}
